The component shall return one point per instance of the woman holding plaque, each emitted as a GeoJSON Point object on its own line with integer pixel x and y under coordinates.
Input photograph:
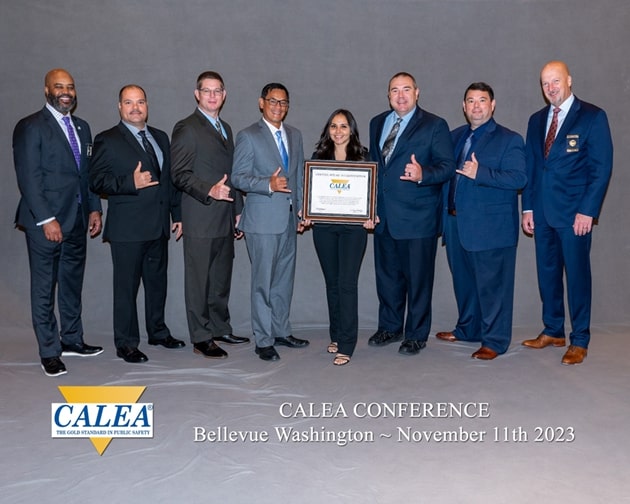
{"type": "Point", "coordinates": [340, 247]}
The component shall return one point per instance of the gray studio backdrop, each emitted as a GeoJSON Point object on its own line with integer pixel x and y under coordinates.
{"type": "Point", "coordinates": [329, 54]}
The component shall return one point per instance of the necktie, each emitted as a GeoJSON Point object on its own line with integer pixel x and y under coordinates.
{"type": "Point", "coordinates": [151, 152]}
{"type": "Point", "coordinates": [388, 145]}
{"type": "Point", "coordinates": [74, 145]}
{"type": "Point", "coordinates": [551, 134]}
{"type": "Point", "coordinates": [452, 189]}
{"type": "Point", "coordinates": [464, 154]}
{"type": "Point", "coordinates": [217, 125]}
{"type": "Point", "coordinates": [283, 151]}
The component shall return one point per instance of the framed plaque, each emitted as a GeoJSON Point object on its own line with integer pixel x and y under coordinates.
{"type": "Point", "coordinates": [339, 191]}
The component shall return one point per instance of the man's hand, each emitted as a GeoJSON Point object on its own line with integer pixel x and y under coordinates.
{"type": "Point", "coordinates": [413, 171]}
{"type": "Point", "coordinates": [371, 224]}
{"type": "Point", "coordinates": [52, 231]}
{"type": "Point", "coordinates": [582, 225]}
{"type": "Point", "coordinates": [469, 168]}
{"type": "Point", "coordinates": [237, 233]}
{"type": "Point", "coordinates": [95, 224]}
{"type": "Point", "coordinates": [142, 179]}
{"type": "Point", "coordinates": [527, 223]}
{"type": "Point", "coordinates": [178, 229]}
{"type": "Point", "coordinates": [220, 191]}
{"type": "Point", "coordinates": [278, 183]}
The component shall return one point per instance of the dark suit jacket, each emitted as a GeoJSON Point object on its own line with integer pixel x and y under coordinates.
{"type": "Point", "coordinates": [199, 159]}
{"type": "Point", "coordinates": [412, 210]}
{"type": "Point", "coordinates": [133, 215]}
{"type": "Point", "coordinates": [47, 173]}
{"type": "Point", "coordinates": [574, 177]}
{"type": "Point", "coordinates": [256, 158]}
{"type": "Point", "coordinates": [487, 207]}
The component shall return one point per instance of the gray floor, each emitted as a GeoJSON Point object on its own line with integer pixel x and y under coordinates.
{"type": "Point", "coordinates": [525, 390]}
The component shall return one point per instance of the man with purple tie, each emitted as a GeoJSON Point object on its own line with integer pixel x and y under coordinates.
{"type": "Point", "coordinates": [50, 150]}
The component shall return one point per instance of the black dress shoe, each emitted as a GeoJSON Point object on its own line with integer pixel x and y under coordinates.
{"type": "Point", "coordinates": [411, 347]}
{"type": "Point", "coordinates": [53, 366]}
{"type": "Point", "coordinates": [291, 342]}
{"type": "Point", "coordinates": [209, 349]}
{"type": "Point", "coordinates": [168, 342]}
{"type": "Point", "coordinates": [80, 349]}
{"type": "Point", "coordinates": [230, 339]}
{"type": "Point", "coordinates": [268, 353]}
{"type": "Point", "coordinates": [382, 338]}
{"type": "Point", "coordinates": [131, 354]}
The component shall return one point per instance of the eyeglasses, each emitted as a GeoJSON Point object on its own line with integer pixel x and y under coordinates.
{"type": "Point", "coordinates": [214, 92]}
{"type": "Point", "coordinates": [273, 102]}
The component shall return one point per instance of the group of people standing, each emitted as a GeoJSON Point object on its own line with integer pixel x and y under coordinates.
{"type": "Point", "coordinates": [212, 189]}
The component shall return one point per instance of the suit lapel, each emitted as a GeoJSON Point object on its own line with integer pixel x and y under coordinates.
{"type": "Point", "coordinates": [378, 134]}
{"type": "Point", "coordinates": [211, 128]}
{"type": "Point", "coordinates": [409, 131]}
{"type": "Point", "coordinates": [567, 124]}
{"type": "Point", "coordinates": [158, 138]}
{"type": "Point", "coordinates": [57, 130]}
{"type": "Point", "coordinates": [271, 143]}
{"type": "Point", "coordinates": [291, 146]}
{"type": "Point", "coordinates": [129, 138]}
{"type": "Point", "coordinates": [481, 142]}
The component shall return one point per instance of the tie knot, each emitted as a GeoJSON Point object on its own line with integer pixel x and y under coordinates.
{"type": "Point", "coordinates": [556, 110]}
{"type": "Point", "coordinates": [66, 120]}
{"type": "Point", "coordinates": [142, 133]}
{"type": "Point", "coordinates": [279, 135]}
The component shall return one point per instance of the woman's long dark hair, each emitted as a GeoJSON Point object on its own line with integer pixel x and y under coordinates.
{"type": "Point", "coordinates": [325, 148]}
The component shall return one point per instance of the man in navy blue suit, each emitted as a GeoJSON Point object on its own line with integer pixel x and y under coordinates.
{"type": "Point", "coordinates": [51, 150]}
{"type": "Point", "coordinates": [481, 224]}
{"type": "Point", "coordinates": [415, 157]}
{"type": "Point", "coordinates": [569, 162]}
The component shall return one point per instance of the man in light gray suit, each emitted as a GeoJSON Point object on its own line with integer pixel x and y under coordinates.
{"type": "Point", "coordinates": [268, 160]}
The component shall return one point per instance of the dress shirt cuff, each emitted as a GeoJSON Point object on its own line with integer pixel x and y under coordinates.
{"type": "Point", "coordinates": [46, 221]}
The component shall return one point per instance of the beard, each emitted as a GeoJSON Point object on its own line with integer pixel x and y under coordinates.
{"type": "Point", "coordinates": [58, 106]}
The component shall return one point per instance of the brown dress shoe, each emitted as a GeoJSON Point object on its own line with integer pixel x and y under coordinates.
{"type": "Point", "coordinates": [543, 341]}
{"type": "Point", "coordinates": [484, 353]}
{"type": "Point", "coordinates": [446, 336]}
{"type": "Point", "coordinates": [574, 355]}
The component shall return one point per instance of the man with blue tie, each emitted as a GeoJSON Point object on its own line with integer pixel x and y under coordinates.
{"type": "Point", "coordinates": [268, 168]}
{"type": "Point", "coordinates": [51, 149]}
{"type": "Point", "coordinates": [569, 155]}
{"type": "Point", "coordinates": [481, 224]}
{"type": "Point", "coordinates": [414, 152]}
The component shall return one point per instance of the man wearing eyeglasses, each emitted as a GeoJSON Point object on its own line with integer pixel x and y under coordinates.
{"type": "Point", "coordinates": [202, 148]}
{"type": "Point", "coordinates": [268, 160]}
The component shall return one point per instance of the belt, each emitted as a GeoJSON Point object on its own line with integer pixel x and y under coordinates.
{"type": "Point", "coordinates": [452, 212]}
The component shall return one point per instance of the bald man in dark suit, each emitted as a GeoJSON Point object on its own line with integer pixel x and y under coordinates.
{"type": "Point", "coordinates": [51, 150]}
{"type": "Point", "coordinates": [569, 155]}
